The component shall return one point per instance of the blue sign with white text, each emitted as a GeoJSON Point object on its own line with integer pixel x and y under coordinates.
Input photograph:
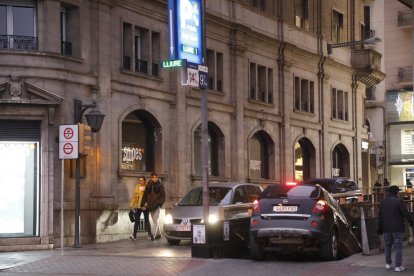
{"type": "Point", "coordinates": [185, 27]}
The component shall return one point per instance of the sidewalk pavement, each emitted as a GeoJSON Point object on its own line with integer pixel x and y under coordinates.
{"type": "Point", "coordinates": [157, 258]}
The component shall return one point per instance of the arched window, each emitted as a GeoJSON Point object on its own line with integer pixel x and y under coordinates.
{"type": "Point", "coordinates": [305, 163]}
{"type": "Point", "coordinates": [340, 161]}
{"type": "Point", "coordinates": [261, 156]}
{"type": "Point", "coordinates": [141, 142]}
{"type": "Point", "coordinates": [215, 140]}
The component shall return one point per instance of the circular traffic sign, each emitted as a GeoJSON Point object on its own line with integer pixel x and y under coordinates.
{"type": "Point", "coordinates": [67, 148]}
{"type": "Point", "coordinates": [68, 133]}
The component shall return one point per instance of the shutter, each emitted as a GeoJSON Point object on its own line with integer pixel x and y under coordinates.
{"type": "Point", "coordinates": [11, 130]}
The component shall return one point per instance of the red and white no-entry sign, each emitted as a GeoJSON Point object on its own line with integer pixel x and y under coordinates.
{"type": "Point", "coordinates": [68, 141]}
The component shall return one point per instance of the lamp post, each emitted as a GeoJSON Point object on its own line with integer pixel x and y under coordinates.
{"type": "Point", "coordinates": [371, 40]}
{"type": "Point", "coordinates": [95, 119]}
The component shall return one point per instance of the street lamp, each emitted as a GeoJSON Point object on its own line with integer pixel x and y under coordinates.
{"type": "Point", "coordinates": [368, 41]}
{"type": "Point", "coordinates": [95, 119]}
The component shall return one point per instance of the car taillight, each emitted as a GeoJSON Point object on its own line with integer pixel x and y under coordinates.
{"type": "Point", "coordinates": [320, 207]}
{"type": "Point", "coordinates": [256, 207]}
{"type": "Point", "coordinates": [290, 184]}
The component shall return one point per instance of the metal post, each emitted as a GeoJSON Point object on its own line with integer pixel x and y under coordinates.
{"type": "Point", "coordinates": [77, 202]}
{"type": "Point", "coordinates": [204, 129]}
{"type": "Point", "coordinates": [78, 119]}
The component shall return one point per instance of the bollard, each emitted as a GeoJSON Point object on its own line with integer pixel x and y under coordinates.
{"type": "Point", "coordinates": [364, 235]}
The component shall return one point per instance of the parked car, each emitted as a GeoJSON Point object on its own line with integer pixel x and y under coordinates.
{"type": "Point", "coordinates": [305, 218]}
{"type": "Point", "coordinates": [334, 185]}
{"type": "Point", "coordinates": [177, 223]}
{"type": "Point", "coordinates": [343, 189]}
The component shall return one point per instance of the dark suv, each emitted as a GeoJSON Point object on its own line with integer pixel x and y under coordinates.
{"type": "Point", "coordinates": [304, 218]}
{"type": "Point", "coordinates": [334, 185]}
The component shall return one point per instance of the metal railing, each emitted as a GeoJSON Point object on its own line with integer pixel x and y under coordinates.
{"type": "Point", "coordinates": [18, 42]}
{"type": "Point", "coordinates": [141, 66]}
{"type": "Point", "coordinates": [66, 48]}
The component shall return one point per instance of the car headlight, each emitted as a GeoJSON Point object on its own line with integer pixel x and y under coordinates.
{"type": "Point", "coordinates": [213, 218]}
{"type": "Point", "coordinates": [168, 219]}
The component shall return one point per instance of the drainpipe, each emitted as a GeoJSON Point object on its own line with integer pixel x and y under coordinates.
{"type": "Point", "coordinates": [282, 106]}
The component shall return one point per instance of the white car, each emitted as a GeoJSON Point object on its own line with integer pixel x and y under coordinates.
{"type": "Point", "coordinates": [177, 222]}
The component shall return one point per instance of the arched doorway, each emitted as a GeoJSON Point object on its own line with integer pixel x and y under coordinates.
{"type": "Point", "coordinates": [261, 156]}
{"type": "Point", "coordinates": [340, 161]}
{"type": "Point", "coordinates": [305, 163]}
{"type": "Point", "coordinates": [215, 140]}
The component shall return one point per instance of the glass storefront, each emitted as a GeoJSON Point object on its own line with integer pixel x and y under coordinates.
{"type": "Point", "coordinates": [400, 117]}
{"type": "Point", "coordinates": [19, 188]}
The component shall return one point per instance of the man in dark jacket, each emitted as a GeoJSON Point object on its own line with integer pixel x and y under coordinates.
{"type": "Point", "coordinates": [392, 212]}
{"type": "Point", "coordinates": [154, 196]}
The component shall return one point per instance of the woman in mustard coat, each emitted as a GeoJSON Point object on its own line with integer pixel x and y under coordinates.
{"type": "Point", "coordinates": [138, 205]}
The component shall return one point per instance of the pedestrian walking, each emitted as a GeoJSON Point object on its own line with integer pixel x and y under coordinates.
{"type": "Point", "coordinates": [392, 212]}
{"type": "Point", "coordinates": [155, 197]}
{"type": "Point", "coordinates": [139, 206]}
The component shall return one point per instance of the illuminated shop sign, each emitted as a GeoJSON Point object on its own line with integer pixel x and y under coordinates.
{"type": "Point", "coordinates": [131, 155]}
{"type": "Point", "coordinates": [400, 106]}
{"type": "Point", "coordinates": [185, 30]}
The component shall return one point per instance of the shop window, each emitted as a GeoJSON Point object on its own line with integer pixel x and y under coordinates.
{"type": "Point", "coordinates": [339, 104]}
{"type": "Point", "coordinates": [261, 156]}
{"type": "Point", "coordinates": [18, 25]}
{"type": "Point", "coordinates": [19, 178]}
{"type": "Point", "coordinates": [215, 140]}
{"type": "Point", "coordinates": [261, 83]}
{"type": "Point", "coordinates": [337, 26]}
{"type": "Point", "coordinates": [69, 30]}
{"type": "Point", "coordinates": [304, 94]}
{"type": "Point", "coordinates": [214, 61]}
{"type": "Point", "coordinates": [141, 142]}
{"type": "Point", "coordinates": [301, 14]}
{"type": "Point", "coordinates": [141, 50]}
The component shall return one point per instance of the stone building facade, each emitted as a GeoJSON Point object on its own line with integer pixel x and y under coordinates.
{"type": "Point", "coordinates": [280, 107]}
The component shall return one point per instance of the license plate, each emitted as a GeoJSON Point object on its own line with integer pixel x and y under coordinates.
{"type": "Point", "coordinates": [285, 208]}
{"type": "Point", "coordinates": [184, 228]}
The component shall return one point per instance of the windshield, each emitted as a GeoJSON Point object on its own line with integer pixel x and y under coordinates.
{"type": "Point", "coordinates": [302, 191]}
{"type": "Point", "coordinates": [195, 196]}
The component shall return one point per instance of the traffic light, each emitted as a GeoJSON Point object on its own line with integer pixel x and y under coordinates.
{"type": "Point", "coordinates": [85, 138]}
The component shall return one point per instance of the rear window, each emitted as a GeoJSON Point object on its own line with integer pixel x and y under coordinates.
{"type": "Point", "coordinates": [303, 191]}
{"type": "Point", "coordinates": [195, 196]}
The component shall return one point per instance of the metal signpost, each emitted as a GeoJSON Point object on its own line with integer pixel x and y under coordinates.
{"type": "Point", "coordinates": [187, 42]}
{"type": "Point", "coordinates": [68, 149]}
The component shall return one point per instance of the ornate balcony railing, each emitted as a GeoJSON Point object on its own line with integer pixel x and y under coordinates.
{"type": "Point", "coordinates": [66, 48]}
{"type": "Point", "coordinates": [141, 66]}
{"type": "Point", "coordinates": [18, 42]}
{"type": "Point", "coordinates": [367, 62]}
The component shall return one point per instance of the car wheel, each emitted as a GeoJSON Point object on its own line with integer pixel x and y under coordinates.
{"type": "Point", "coordinates": [256, 250]}
{"type": "Point", "coordinates": [329, 249]}
{"type": "Point", "coordinates": [173, 242]}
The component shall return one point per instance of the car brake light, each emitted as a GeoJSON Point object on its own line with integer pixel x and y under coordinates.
{"type": "Point", "coordinates": [320, 207]}
{"type": "Point", "coordinates": [256, 207]}
{"type": "Point", "coordinates": [291, 184]}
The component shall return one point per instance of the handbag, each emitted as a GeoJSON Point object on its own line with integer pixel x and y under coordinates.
{"type": "Point", "coordinates": [131, 215]}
